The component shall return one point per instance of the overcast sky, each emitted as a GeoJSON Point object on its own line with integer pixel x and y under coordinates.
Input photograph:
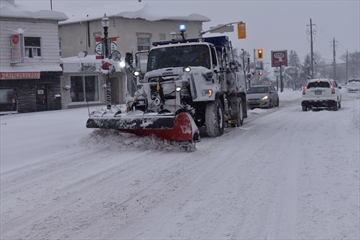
{"type": "Point", "coordinates": [271, 25]}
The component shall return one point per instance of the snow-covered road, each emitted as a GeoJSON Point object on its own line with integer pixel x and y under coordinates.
{"type": "Point", "coordinates": [285, 174]}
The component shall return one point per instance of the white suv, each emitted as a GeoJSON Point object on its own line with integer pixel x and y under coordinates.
{"type": "Point", "coordinates": [353, 85]}
{"type": "Point", "coordinates": [321, 93]}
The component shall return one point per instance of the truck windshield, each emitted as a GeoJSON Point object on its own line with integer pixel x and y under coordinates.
{"type": "Point", "coordinates": [179, 56]}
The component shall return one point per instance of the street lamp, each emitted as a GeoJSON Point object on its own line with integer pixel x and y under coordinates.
{"type": "Point", "coordinates": [173, 35]}
{"type": "Point", "coordinates": [105, 22]}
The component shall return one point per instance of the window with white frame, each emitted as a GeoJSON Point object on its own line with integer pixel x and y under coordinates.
{"type": "Point", "coordinates": [84, 88]}
{"type": "Point", "coordinates": [32, 47]}
{"type": "Point", "coordinates": [143, 41]}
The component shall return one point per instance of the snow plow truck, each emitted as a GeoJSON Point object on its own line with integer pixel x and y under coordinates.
{"type": "Point", "coordinates": [188, 85]}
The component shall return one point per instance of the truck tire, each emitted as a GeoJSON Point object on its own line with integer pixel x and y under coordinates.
{"type": "Point", "coordinates": [214, 115]}
{"type": "Point", "coordinates": [336, 106]}
{"type": "Point", "coordinates": [240, 113]}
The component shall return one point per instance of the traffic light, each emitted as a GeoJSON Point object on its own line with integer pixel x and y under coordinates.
{"type": "Point", "coordinates": [241, 26]}
{"type": "Point", "coordinates": [260, 53]}
{"type": "Point", "coordinates": [260, 73]}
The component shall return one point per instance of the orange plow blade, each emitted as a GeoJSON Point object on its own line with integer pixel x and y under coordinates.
{"type": "Point", "coordinates": [180, 127]}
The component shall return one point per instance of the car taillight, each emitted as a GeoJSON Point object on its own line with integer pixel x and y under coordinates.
{"type": "Point", "coordinates": [304, 90]}
{"type": "Point", "coordinates": [332, 90]}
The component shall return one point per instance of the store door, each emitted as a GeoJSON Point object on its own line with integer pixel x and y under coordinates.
{"type": "Point", "coordinates": [41, 98]}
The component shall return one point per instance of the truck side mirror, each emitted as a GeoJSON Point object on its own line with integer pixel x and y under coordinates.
{"type": "Point", "coordinates": [208, 75]}
{"type": "Point", "coordinates": [129, 58]}
{"type": "Point", "coordinates": [233, 65]}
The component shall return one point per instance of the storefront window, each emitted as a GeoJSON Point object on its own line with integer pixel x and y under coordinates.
{"type": "Point", "coordinates": [8, 100]}
{"type": "Point", "coordinates": [84, 88]}
{"type": "Point", "coordinates": [7, 96]}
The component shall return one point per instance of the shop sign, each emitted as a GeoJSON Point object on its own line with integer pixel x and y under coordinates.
{"type": "Point", "coordinates": [19, 75]}
{"type": "Point", "coordinates": [17, 53]}
{"type": "Point", "coordinates": [278, 58]}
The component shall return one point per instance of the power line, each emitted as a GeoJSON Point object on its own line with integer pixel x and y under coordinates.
{"type": "Point", "coordinates": [323, 39]}
{"type": "Point", "coordinates": [342, 46]}
{"type": "Point", "coordinates": [323, 32]}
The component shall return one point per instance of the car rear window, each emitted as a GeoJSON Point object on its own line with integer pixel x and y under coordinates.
{"type": "Point", "coordinates": [318, 85]}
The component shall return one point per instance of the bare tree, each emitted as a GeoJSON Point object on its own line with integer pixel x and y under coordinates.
{"type": "Point", "coordinates": [353, 64]}
{"type": "Point", "coordinates": [320, 69]}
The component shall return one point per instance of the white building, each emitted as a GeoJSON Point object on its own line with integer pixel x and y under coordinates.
{"type": "Point", "coordinates": [34, 78]}
{"type": "Point", "coordinates": [133, 27]}
{"type": "Point", "coordinates": [29, 59]}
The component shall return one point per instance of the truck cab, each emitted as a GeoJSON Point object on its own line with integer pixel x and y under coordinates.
{"type": "Point", "coordinates": [192, 76]}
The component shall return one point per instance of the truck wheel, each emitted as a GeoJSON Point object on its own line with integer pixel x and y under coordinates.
{"type": "Point", "coordinates": [335, 107]}
{"type": "Point", "coordinates": [240, 113]}
{"type": "Point", "coordinates": [214, 115]}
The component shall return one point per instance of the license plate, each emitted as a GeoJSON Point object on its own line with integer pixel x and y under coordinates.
{"type": "Point", "coordinates": [318, 92]}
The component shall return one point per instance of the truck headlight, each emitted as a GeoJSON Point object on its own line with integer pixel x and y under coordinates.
{"type": "Point", "coordinates": [186, 69]}
{"type": "Point", "coordinates": [207, 92]}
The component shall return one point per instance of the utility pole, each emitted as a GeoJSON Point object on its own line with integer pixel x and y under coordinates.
{"type": "Point", "coordinates": [255, 72]}
{"type": "Point", "coordinates": [248, 68]}
{"type": "Point", "coordinates": [353, 65]}
{"type": "Point", "coordinates": [311, 50]}
{"type": "Point", "coordinates": [347, 66]}
{"type": "Point", "coordinates": [334, 61]}
{"type": "Point", "coordinates": [281, 78]}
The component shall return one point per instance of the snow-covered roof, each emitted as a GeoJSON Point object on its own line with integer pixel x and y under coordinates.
{"type": "Point", "coordinates": [71, 64]}
{"type": "Point", "coordinates": [147, 11]}
{"type": "Point", "coordinates": [34, 68]}
{"type": "Point", "coordinates": [8, 8]}
{"type": "Point", "coordinates": [75, 59]}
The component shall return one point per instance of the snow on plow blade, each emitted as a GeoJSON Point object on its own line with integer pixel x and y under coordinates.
{"type": "Point", "coordinates": [180, 127]}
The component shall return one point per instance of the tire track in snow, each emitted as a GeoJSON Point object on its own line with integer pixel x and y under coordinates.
{"type": "Point", "coordinates": [222, 172]}
{"type": "Point", "coordinates": [238, 185]}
